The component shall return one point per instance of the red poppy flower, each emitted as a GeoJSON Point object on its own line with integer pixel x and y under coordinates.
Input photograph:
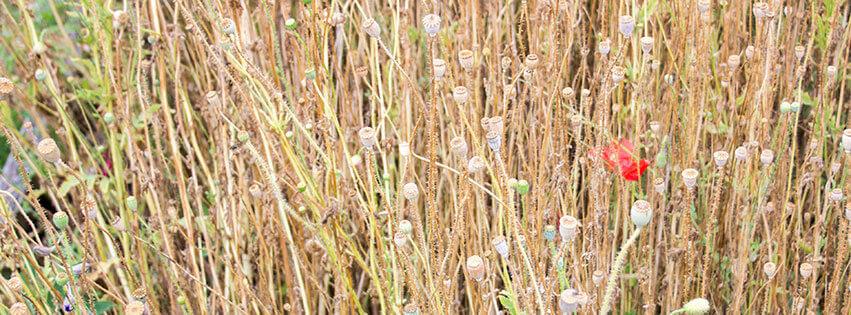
{"type": "Point", "coordinates": [619, 157]}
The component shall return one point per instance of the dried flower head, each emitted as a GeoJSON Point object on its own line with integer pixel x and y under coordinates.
{"type": "Point", "coordinates": [476, 267]}
{"type": "Point", "coordinates": [846, 140]}
{"type": "Point", "coordinates": [769, 269]}
{"type": "Point", "coordinates": [799, 52]}
{"type": "Point", "coordinates": [439, 68]}
{"type": "Point", "coordinates": [567, 92]}
{"type": "Point", "coordinates": [597, 277]}
{"type": "Point", "coordinates": [6, 86]}
{"type": "Point", "coordinates": [741, 153]}
{"type": "Point", "coordinates": [431, 24]}
{"type": "Point", "coordinates": [410, 191]}
{"type": "Point", "coordinates": [475, 164]}
{"type": "Point", "coordinates": [460, 94]}
{"type": "Point", "coordinates": [626, 24]}
{"type": "Point", "coordinates": [749, 51]}
{"type": "Point", "coordinates": [766, 156]}
{"type": "Point", "coordinates": [659, 184]}
{"type": "Point", "coordinates": [501, 246]}
{"type": "Point", "coordinates": [370, 26]}
{"type": "Point", "coordinates": [458, 146]}
{"type": "Point", "coordinates": [647, 44]}
{"type": "Point", "coordinates": [532, 61]}
{"type": "Point", "coordinates": [404, 149]}
{"type": "Point", "coordinates": [604, 46]}
{"type": "Point", "coordinates": [690, 177]}
{"type": "Point", "coordinates": [49, 151]}
{"type": "Point", "coordinates": [696, 306]}
{"type": "Point", "coordinates": [703, 5]}
{"type": "Point", "coordinates": [135, 308]}
{"type": "Point", "coordinates": [720, 158]}
{"type": "Point", "coordinates": [400, 239]}
{"type": "Point", "coordinates": [836, 195]}
{"type": "Point", "coordinates": [367, 137]}
{"type": "Point", "coordinates": [806, 270]}
{"type": "Point", "coordinates": [465, 59]}
{"type": "Point", "coordinates": [733, 61]}
{"type": "Point", "coordinates": [15, 283]}
{"type": "Point", "coordinates": [19, 309]}
{"type": "Point", "coordinates": [568, 227]}
{"type": "Point", "coordinates": [228, 27]}
{"type": "Point", "coordinates": [618, 74]}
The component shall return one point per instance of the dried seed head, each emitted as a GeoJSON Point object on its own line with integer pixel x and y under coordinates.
{"type": "Point", "coordinates": [494, 140]}
{"type": "Point", "coordinates": [626, 24]}
{"type": "Point", "coordinates": [43, 251]}
{"type": "Point", "coordinates": [19, 309]}
{"type": "Point", "coordinates": [703, 5]}
{"type": "Point", "coordinates": [475, 164]}
{"type": "Point", "coordinates": [49, 151]}
{"type": "Point", "coordinates": [733, 61]}
{"type": "Point", "coordinates": [411, 309]}
{"type": "Point", "coordinates": [655, 126]}
{"type": "Point", "coordinates": [749, 51]}
{"type": "Point", "coordinates": [367, 137]}
{"type": "Point", "coordinates": [460, 94]}
{"type": "Point", "coordinates": [400, 239]}
{"type": "Point", "coordinates": [15, 283]}
{"type": "Point", "coordinates": [255, 191]}
{"type": "Point", "coordinates": [406, 227]}
{"type": "Point", "coordinates": [568, 227]}
{"type": "Point", "coordinates": [6, 86]}
{"type": "Point", "coordinates": [228, 27]}
{"type": "Point", "coordinates": [769, 269]}
{"type": "Point", "coordinates": [439, 68]}
{"type": "Point", "coordinates": [495, 123]}
{"type": "Point", "coordinates": [337, 18]}
{"type": "Point", "coordinates": [720, 158]}
{"type": "Point", "coordinates": [135, 308]}
{"type": "Point", "coordinates": [431, 24]}
{"type": "Point", "coordinates": [476, 267]}
{"type": "Point", "coordinates": [505, 63]}
{"type": "Point", "coordinates": [410, 191]}
{"type": "Point", "coordinates": [761, 10]}
{"type": "Point", "coordinates": [696, 306]}
{"type": "Point", "coordinates": [404, 149]}
{"type": "Point", "coordinates": [800, 51]}
{"type": "Point", "coordinates": [618, 73]}
{"type": "Point", "coordinates": [597, 277]}
{"type": "Point", "coordinates": [604, 46]}
{"type": "Point", "coordinates": [501, 246]}
{"type": "Point", "coordinates": [659, 184]}
{"type": "Point", "coordinates": [831, 72]}
{"type": "Point", "coordinates": [532, 61]}
{"type": "Point", "coordinates": [848, 214]}
{"type": "Point", "coordinates": [741, 153]}
{"type": "Point", "coordinates": [766, 156]}
{"type": "Point", "coordinates": [690, 177]}
{"type": "Point", "coordinates": [370, 26]}
{"type": "Point", "coordinates": [846, 140]}
{"type": "Point", "coordinates": [646, 44]}
{"type": "Point", "coordinates": [641, 213]}
{"type": "Point", "coordinates": [119, 18]}
{"type": "Point", "coordinates": [836, 195]}
{"type": "Point", "coordinates": [567, 92]}
{"type": "Point", "coordinates": [459, 146]}
{"type": "Point", "coordinates": [465, 59]}
{"type": "Point", "coordinates": [568, 301]}
{"type": "Point", "coordinates": [806, 270]}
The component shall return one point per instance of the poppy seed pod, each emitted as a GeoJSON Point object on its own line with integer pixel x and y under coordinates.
{"type": "Point", "coordinates": [568, 227]}
{"type": "Point", "coordinates": [532, 61]}
{"type": "Point", "coordinates": [703, 5]}
{"type": "Point", "coordinates": [370, 26]}
{"type": "Point", "coordinates": [720, 158]}
{"type": "Point", "coordinates": [831, 72]}
{"type": "Point", "coordinates": [410, 191]}
{"type": "Point", "coordinates": [400, 239]}
{"type": "Point", "coordinates": [460, 94]}
{"type": "Point", "coordinates": [696, 306]}
{"type": "Point", "coordinates": [406, 227]}
{"type": "Point", "coordinates": [60, 220]}
{"type": "Point", "coordinates": [846, 140]}
{"type": "Point", "coordinates": [766, 156]}
{"type": "Point", "coordinates": [741, 153]}
{"type": "Point", "coordinates": [749, 51]}
{"type": "Point", "coordinates": [49, 151]}
{"type": "Point", "coordinates": [654, 126]}
{"type": "Point", "coordinates": [550, 232]}
{"type": "Point", "coordinates": [135, 308]}
{"type": "Point", "coordinates": [228, 27]}
{"type": "Point", "coordinates": [567, 92]}
{"type": "Point", "coordinates": [626, 24]}
{"type": "Point", "coordinates": [465, 59]}
{"type": "Point", "coordinates": [458, 146]}
{"type": "Point", "coordinates": [431, 24]}
{"type": "Point", "coordinates": [690, 177]}
{"type": "Point", "coordinates": [367, 137]}
{"type": "Point", "coordinates": [337, 18]}
{"type": "Point", "coordinates": [404, 149]}
{"type": "Point", "coordinates": [494, 140]}
{"type": "Point", "coordinates": [848, 213]}
{"type": "Point", "coordinates": [806, 270]}
{"type": "Point", "coordinates": [641, 213]}
{"type": "Point", "coordinates": [19, 309]}
{"type": "Point", "coordinates": [15, 283]}
{"type": "Point", "coordinates": [495, 124]}
{"type": "Point", "coordinates": [501, 246]}
{"type": "Point", "coordinates": [475, 164]}
{"type": "Point", "coordinates": [568, 301]}
{"type": "Point", "coordinates": [659, 184]}
{"type": "Point", "coordinates": [597, 277]}
{"type": "Point", "coordinates": [439, 67]}
{"type": "Point", "coordinates": [476, 267]}
{"type": "Point", "coordinates": [618, 74]}
{"type": "Point", "coordinates": [6, 85]}
{"type": "Point", "coordinates": [799, 52]}
{"type": "Point", "coordinates": [769, 269]}
{"type": "Point", "coordinates": [647, 44]}
{"type": "Point", "coordinates": [604, 46]}
{"type": "Point", "coordinates": [760, 10]}
{"type": "Point", "coordinates": [836, 194]}
{"type": "Point", "coordinates": [733, 61]}
{"type": "Point", "coordinates": [411, 309]}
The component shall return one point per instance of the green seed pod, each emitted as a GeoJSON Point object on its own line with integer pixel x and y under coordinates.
{"type": "Point", "coordinates": [242, 136]}
{"type": "Point", "coordinates": [661, 159]}
{"type": "Point", "coordinates": [291, 24]}
{"type": "Point", "coordinates": [521, 186]}
{"type": "Point", "coordinates": [109, 118]}
{"type": "Point", "coordinates": [131, 203]}
{"type": "Point", "coordinates": [60, 220]}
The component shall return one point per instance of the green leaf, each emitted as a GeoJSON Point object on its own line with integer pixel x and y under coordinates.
{"type": "Point", "coordinates": [507, 302]}
{"type": "Point", "coordinates": [103, 306]}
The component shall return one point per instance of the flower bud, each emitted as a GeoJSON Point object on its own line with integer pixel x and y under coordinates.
{"type": "Point", "coordinates": [431, 24]}
{"type": "Point", "coordinates": [410, 191]}
{"type": "Point", "coordinates": [49, 151]}
{"type": "Point", "coordinates": [476, 267]}
{"type": "Point", "coordinates": [60, 220]}
{"type": "Point", "coordinates": [641, 213]}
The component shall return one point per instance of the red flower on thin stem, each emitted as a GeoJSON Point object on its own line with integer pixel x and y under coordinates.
{"type": "Point", "coordinates": [619, 157]}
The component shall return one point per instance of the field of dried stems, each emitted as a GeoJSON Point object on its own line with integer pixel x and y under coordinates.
{"type": "Point", "coordinates": [425, 157]}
